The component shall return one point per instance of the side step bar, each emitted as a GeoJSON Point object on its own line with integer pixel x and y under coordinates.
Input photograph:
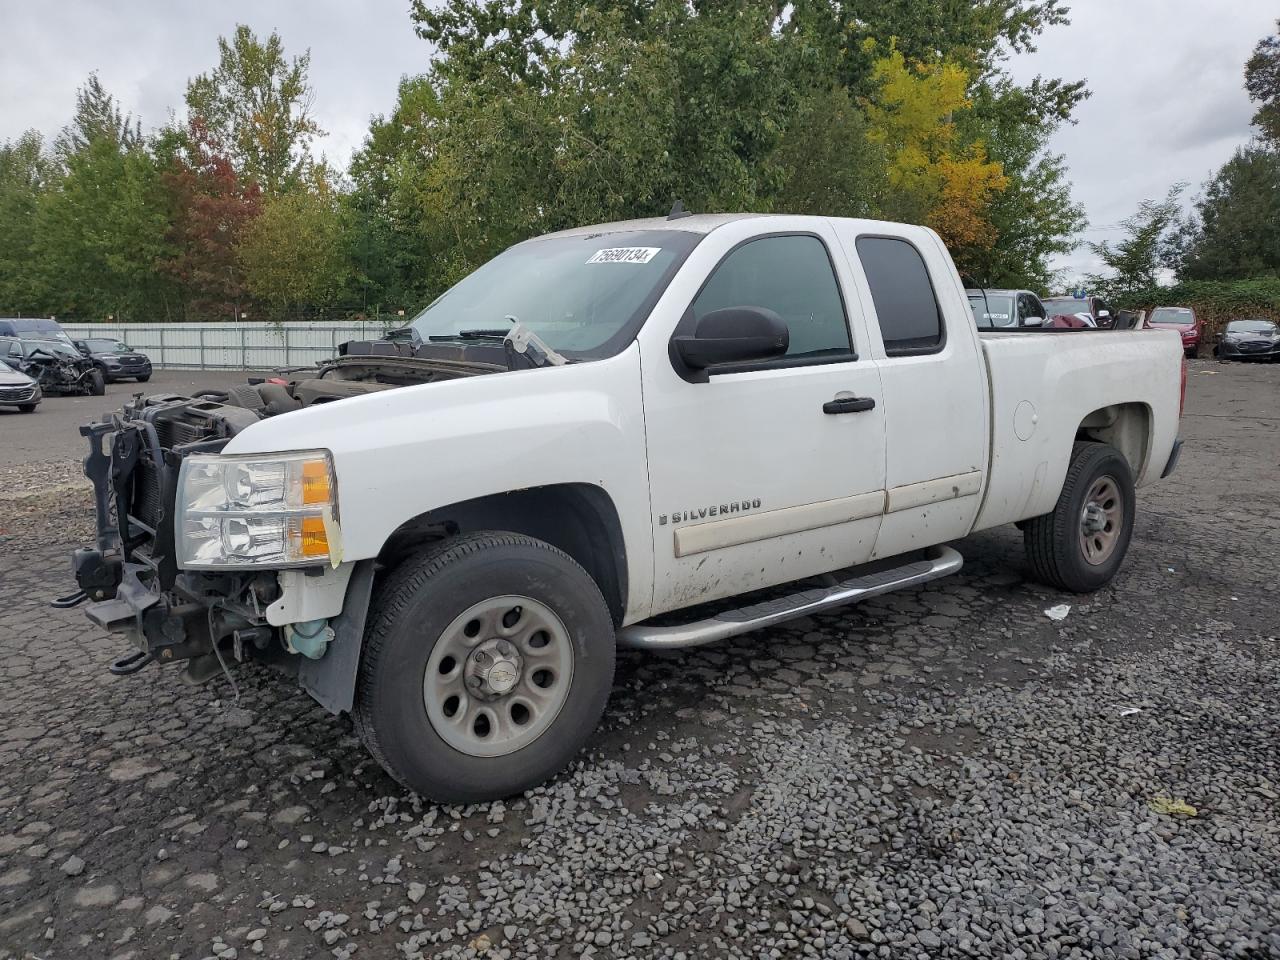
{"type": "Point", "coordinates": [939, 562]}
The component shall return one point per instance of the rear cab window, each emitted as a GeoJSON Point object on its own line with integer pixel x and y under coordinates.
{"type": "Point", "coordinates": [902, 291]}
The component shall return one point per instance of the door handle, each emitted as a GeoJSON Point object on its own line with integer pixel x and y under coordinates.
{"type": "Point", "coordinates": [849, 405]}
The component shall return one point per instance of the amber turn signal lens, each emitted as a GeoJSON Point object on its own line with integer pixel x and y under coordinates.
{"type": "Point", "coordinates": [315, 539]}
{"type": "Point", "coordinates": [315, 482]}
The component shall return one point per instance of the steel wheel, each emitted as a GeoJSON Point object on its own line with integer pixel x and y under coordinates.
{"type": "Point", "coordinates": [498, 676]}
{"type": "Point", "coordinates": [1101, 520]}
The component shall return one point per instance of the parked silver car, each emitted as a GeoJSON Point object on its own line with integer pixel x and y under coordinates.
{"type": "Point", "coordinates": [18, 390]}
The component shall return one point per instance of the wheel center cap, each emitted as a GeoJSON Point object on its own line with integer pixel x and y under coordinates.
{"type": "Point", "coordinates": [502, 676]}
{"type": "Point", "coordinates": [1095, 518]}
{"type": "Point", "coordinates": [494, 668]}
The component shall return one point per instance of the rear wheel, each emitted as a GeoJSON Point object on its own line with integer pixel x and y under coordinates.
{"type": "Point", "coordinates": [486, 666]}
{"type": "Point", "coordinates": [97, 383]}
{"type": "Point", "coordinates": [1081, 544]}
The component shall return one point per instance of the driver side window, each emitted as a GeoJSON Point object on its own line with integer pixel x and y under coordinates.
{"type": "Point", "coordinates": [793, 277]}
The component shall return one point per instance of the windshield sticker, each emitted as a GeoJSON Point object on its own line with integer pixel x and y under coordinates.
{"type": "Point", "coordinates": [624, 255]}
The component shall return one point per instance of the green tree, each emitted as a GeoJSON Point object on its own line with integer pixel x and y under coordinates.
{"type": "Point", "coordinates": [1149, 245]}
{"type": "Point", "coordinates": [1236, 233]}
{"type": "Point", "coordinates": [258, 102]}
{"type": "Point", "coordinates": [26, 172]}
{"type": "Point", "coordinates": [1034, 217]}
{"type": "Point", "coordinates": [292, 254]}
{"type": "Point", "coordinates": [98, 117]}
{"type": "Point", "coordinates": [558, 111]}
{"type": "Point", "coordinates": [389, 246]}
{"type": "Point", "coordinates": [100, 236]}
{"type": "Point", "coordinates": [830, 166]}
{"type": "Point", "coordinates": [1262, 81]}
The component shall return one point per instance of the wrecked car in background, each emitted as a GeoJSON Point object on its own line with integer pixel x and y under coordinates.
{"type": "Point", "coordinates": [56, 366]}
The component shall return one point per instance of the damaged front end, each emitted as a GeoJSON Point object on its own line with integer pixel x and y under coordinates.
{"type": "Point", "coordinates": [60, 371]}
{"type": "Point", "coordinates": [158, 572]}
{"type": "Point", "coordinates": [131, 575]}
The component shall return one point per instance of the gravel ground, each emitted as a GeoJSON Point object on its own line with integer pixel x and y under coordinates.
{"type": "Point", "coordinates": [940, 772]}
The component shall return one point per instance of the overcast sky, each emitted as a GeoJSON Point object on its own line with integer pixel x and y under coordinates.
{"type": "Point", "coordinates": [1168, 101]}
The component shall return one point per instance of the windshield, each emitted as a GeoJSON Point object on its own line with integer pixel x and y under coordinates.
{"type": "Point", "coordinates": [1251, 326]}
{"type": "Point", "coordinates": [586, 296]}
{"type": "Point", "coordinates": [995, 311]}
{"type": "Point", "coordinates": [1178, 315]}
{"type": "Point", "coordinates": [106, 346]}
{"type": "Point", "coordinates": [1065, 306]}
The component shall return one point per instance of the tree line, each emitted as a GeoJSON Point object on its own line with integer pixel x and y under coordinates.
{"type": "Point", "coordinates": [533, 115]}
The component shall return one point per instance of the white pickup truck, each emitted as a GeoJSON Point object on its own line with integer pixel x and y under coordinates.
{"type": "Point", "coordinates": [657, 433]}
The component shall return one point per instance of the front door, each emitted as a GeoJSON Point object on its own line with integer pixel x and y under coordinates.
{"type": "Point", "coordinates": [760, 475]}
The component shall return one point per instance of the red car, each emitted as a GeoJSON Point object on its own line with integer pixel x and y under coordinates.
{"type": "Point", "coordinates": [1182, 319]}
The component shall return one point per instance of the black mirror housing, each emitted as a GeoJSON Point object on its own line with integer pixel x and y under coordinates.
{"type": "Point", "coordinates": [734, 335]}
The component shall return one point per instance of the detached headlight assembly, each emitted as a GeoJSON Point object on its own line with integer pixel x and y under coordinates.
{"type": "Point", "coordinates": [267, 510]}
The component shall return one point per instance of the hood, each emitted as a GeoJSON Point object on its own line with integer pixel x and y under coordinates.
{"type": "Point", "coordinates": [13, 378]}
{"type": "Point", "coordinates": [1248, 336]}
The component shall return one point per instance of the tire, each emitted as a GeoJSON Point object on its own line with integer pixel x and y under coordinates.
{"type": "Point", "coordinates": [27, 407]}
{"type": "Point", "coordinates": [1059, 550]}
{"type": "Point", "coordinates": [425, 612]}
{"type": "Point", "coordinates": [97, 384]}
{"type": "Point", "coordinates": [144, 378]}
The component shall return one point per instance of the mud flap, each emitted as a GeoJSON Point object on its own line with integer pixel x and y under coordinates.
{"type": "Point", "coordinates": [331, 680]}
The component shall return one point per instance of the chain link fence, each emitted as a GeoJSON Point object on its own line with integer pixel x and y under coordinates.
{"type": "Point", "coordinates": [235, 346]}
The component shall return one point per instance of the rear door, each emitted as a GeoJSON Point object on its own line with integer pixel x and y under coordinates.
{"type": "Point", "coordinates": [757, 476]}
{"type": "Point", "coordinates": [926, 347]}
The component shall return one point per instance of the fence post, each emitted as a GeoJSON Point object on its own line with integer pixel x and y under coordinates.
{"type": "Point", "coordinates": [162, 358]}
{"type": "Point", "coordinates": [203, 363]}
{"type": "Point", "coordinates": [244, 353]}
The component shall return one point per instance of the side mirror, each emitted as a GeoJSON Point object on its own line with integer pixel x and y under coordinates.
{"type": "Point", "coordinates": [734, 335]}
{"type": "Point", "coordinates": [1033, 321]}
{"type": "Point", "coordinates": [1103, 314]}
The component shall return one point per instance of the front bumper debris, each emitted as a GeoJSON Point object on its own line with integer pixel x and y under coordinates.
{"type": "Point", "coordinates": [130, 574]}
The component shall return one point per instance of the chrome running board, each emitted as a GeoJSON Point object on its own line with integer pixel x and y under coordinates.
{"type": "Point", "coordinates": [939, 562]}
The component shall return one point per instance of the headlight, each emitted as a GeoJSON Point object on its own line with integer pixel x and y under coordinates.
{"type": "Point", "coordinates": [270, 510]}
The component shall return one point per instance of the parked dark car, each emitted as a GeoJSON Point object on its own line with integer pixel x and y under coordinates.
{"type": "Point", "coordinates": [58, 367]}
{"type": "Point", "coordinates": [1097, 308]}
{"type": "Point", "coordinates": [18, 390]}
{"type": "Point", "coordinates": [1249, 340]}
{"type": "Point", "coordinates": [1182, 319]}
{"type": "Point", "coordinates": [116, 359]}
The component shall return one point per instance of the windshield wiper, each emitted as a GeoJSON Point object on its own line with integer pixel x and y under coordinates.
{"type": "Point", "coordinates": [472, 335]}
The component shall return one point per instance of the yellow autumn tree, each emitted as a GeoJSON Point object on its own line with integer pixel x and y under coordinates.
{"type": "Point", "coordinates": [932, 176]}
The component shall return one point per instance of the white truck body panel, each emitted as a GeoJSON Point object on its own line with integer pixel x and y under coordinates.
{"type": "Point", "coordinates": [401, 453]}
{"type": "Point", "coordinates": [1043, 385]}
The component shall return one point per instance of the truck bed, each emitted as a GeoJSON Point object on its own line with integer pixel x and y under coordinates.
{"type": "Point", "coordinates": [1123, 386]}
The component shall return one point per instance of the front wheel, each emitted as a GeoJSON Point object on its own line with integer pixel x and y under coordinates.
{"type": "Point", "coordinates": [1080, 545]}
{"type": "Point", "coordinates": [97, 383]}
{"type": "Point", "coordinates": [26, 408]}
{"type": "Point", "coordinates": [144, 378]}
{"type": "Point", "coordinates": [487, 664]}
